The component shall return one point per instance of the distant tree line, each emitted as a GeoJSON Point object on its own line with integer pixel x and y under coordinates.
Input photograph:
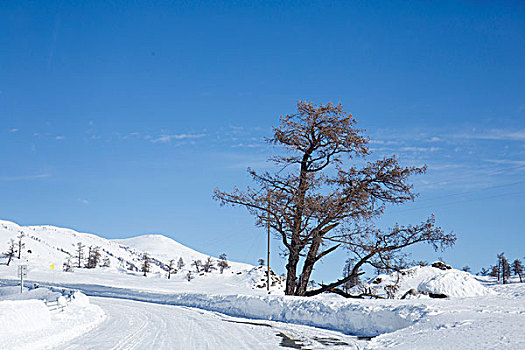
{"type": "Point", "coordinates": [504, 269]}
{"type": "Point", "coordinates": [175, 266]}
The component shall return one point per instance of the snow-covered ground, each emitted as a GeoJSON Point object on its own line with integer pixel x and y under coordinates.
{"type": "Point", "coordinates": [139, 325]}
{"type": "Point", "coordinates": [230, 310]}
{"type": "Point", "coordinates": [493, 321]}
{"type": "Point", "coordinates": [48, 246]}
{"type": "Point", "coordinates": [43, 318]}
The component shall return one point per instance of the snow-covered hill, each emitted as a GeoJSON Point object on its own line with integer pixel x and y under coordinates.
{"type": "Point", "coordinates": [49, 246]}
{"type": "Point", "coordinates": [165, 249]}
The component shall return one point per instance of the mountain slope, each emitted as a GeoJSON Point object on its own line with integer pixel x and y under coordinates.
{"type": "Point", "coordinates": [49, 246]}
{"type": "Point", "coordinates": [165, 249]}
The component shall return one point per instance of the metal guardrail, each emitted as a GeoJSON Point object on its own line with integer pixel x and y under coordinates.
{"type": "Point", "coordinates": [54, 305]}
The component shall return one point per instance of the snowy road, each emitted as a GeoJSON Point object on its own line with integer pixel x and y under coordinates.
{"type": "Point", "coordinates": [139, 325]}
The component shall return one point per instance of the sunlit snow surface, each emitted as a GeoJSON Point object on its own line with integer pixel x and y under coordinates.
{"type": "Point", "coordinates": [428, 279]}
{"type": "Point", "coordinates": [225, 311]}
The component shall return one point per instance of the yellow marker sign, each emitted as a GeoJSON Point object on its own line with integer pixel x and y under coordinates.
{"type": "Point", "coordinates": [52, 267]}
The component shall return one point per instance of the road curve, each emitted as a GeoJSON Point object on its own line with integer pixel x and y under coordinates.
{"type": "Point", "coordinates": [140, 325]}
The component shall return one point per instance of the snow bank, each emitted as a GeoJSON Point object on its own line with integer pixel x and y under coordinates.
{"type": "Point", "coordinates": [27, 323]}
{"type": "Point", "coordinates": [80, 299]}
{"type": "Point", "coordinates": [353, 318]}
{"type": "Point", "coordinates": [453, 283]}
{"type": "Point", "coordinates": [362, 318]}
{"type": "Point", "coordinates": [22, 316]}
{"type": "Point", "coordinates": [13, 293]}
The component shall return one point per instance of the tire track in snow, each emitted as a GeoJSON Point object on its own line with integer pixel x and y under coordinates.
{"type": "Point", "coordinates": [140, 325]}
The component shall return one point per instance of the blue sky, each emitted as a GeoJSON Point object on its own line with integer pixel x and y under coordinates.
{"type": "Point", "coordinates": [121, 118]}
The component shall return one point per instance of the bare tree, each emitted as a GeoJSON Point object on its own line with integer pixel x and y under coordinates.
{"type": "Point", "coordinates": [260, 262]}
{"type": "Point", "coordinates": [21, 244]}
{"type": "Point", "coordinates": [145, 264]}
{"type": "Point", "coordinates": [500, 263]}
{"type": "Point", "coordinates": [517, 268]}
{"type": "Point", "coordinates": [505, 271]}
{"type": "Point", "coordinates": [171, 268]}
{"type": "Point", "coordinates": [466, 268]}
{"type": "Point", "coordinates": [180, 264]}
{"type": "Point", "coordinates": [495, 271]}
{"type": "Point", "coordinates": [318, 201]}
{"type": "Point", "coordinates": [223, 262]}
{"type": "Point", "coordinates": [93, 257]}
{"type": "Point", "coordinates": [11, 251]}
{"type": "Point", "coordinates": [503, 268]}
{"type": "Point", "coordinates": [67, 266]}
{"type": "Point", "coordinates": [383, 250]}
{"type": "Point", "coordinates": [208, 265]}
{"type": "Point", "coordinates": [106, 262]}
{"type": "Point", "coordinates": [347, 271]}
{"type": "Point", "coordinates": [80, 254]}
{"type": "Point", "coordinates": [197, 264]}
{"type": "Point", "coordinates": [391, 289]}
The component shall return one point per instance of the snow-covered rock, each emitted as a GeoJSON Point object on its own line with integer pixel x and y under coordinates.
{"type": "Point", "coordinates": [453, 283]}
{"type": "Point", "coordinates": [429, 280]}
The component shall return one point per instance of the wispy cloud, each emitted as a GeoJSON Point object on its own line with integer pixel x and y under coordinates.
{"type": "Point", "coordinates": [419, 149]}
{"type": "Point", "coordinates": [248, 145]}
{"type": "Point", "coordinates": [59, 137]}
{"type": "Point", "coordinates": [83, 201]}
{"type": "Point", "coordinates": [506, 161]}
{"type": "Point", "coordinates": [25, 177]}
{"type": "Point", "coordinates": [169, 138]}
{"type": "Point", "coordinates": [13, 130]}
{"type": "Point", "coordinates": [134, 134]}
{"type": "Point", "coordinates": [496, 134]}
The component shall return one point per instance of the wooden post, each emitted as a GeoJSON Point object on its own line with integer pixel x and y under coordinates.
{"type": "Point", "coordinates": [268, 255]}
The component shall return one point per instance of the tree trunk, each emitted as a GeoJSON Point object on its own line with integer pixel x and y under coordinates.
{"type": "Point", "coordinates": [308, 266]}
{"type": "Point", "coordinates": [293, 258]}
{"type": "Point", "coordinates": [9, 260]}
{"type": "Point", "coordinates": [291, 273]}
{"type": "Point", "coordinates": [312, 257]}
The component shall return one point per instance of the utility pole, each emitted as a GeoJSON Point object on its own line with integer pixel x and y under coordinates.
{"type": "Point", "coordinates": [268, 255]}
{"type": "Point", "coordinates": [22, 272]}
